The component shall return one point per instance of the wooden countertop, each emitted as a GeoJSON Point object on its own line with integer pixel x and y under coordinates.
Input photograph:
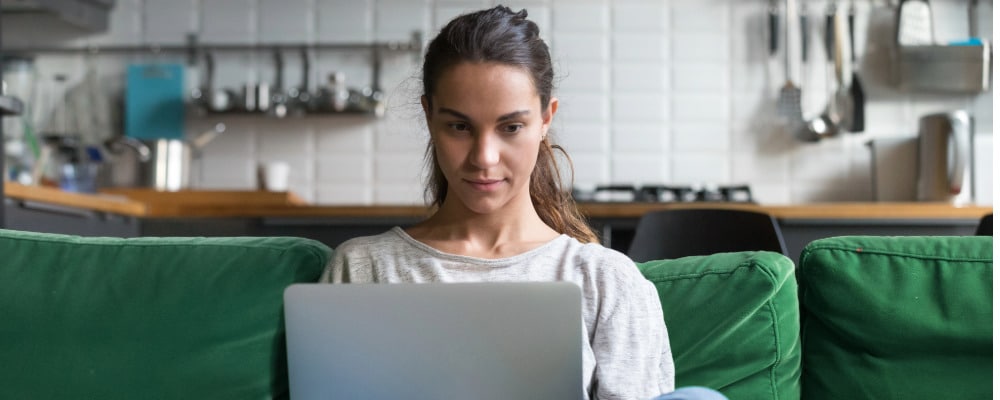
{"type": "Point", "coordinates": [220, 203]}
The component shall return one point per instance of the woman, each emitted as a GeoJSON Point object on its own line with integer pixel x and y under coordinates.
{"type": "Point", "coordinates": [501, 211]}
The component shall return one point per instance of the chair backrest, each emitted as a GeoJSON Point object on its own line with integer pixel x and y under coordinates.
{"type": "Point", "coordinates": [985, 227]}
{"type": "Point", "coordinates": [693, 232]}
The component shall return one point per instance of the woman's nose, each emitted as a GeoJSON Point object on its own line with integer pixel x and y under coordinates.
{"type": "Point", "coordinates": [485, 152]}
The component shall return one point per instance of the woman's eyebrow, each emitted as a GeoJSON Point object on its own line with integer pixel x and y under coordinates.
{"type": "Point", "coordinates": [505, 117]}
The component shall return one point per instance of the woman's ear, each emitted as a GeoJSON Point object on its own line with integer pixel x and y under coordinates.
{"type": "Point", "coordinates": [547, 114]}
{"type": "Point", "coordinates": [425, 103]}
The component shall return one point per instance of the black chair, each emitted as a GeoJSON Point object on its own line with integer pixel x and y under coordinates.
{"type": "Point", "coordinates": [692, 232]}
{"type": "Point", "coordinates": [985, 227]}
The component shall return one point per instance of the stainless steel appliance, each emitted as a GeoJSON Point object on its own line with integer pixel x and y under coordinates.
{"type": "Point", "coordinates": [944, 169]}
{"type": "Point", "coordinates": [161, 164]}
{"type": "Point", "coordinates": [936, 165]}
{"type": "Point", "coordinates": [624, 193]}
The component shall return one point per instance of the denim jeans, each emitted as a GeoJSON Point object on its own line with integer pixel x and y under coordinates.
{"type": "Point", "coordinates": [692, 393]}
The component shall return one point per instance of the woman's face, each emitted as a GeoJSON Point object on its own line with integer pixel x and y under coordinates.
{"type": "Point", "coordinates": [486, 125]}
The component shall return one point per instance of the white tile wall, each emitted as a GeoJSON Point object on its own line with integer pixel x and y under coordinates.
{"type": "Point", "coordinates": [674, 91]}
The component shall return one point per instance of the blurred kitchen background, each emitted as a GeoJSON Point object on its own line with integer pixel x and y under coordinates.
{"type": "Point", "coordinates": [652, 92]}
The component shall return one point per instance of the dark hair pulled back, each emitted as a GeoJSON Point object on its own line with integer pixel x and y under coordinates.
{"type": "Point", "coordinates": [500, 35]}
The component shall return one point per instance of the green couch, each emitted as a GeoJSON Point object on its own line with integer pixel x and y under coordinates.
{"type": "Point", "coordinates": [863, 317]}
{"type": "Point", "coordinates": [147, 318]}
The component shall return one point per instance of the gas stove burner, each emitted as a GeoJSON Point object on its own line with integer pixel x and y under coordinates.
{"type": "Point", "coordinates": [666, 193]}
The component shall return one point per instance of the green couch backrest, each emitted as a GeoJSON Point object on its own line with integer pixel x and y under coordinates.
{"type": "Point", "coordinates": [733, 321]}
{"type": "Point", "coordinates": [110, 318]}
{"type": "Point", "coordinates": [897, 318]}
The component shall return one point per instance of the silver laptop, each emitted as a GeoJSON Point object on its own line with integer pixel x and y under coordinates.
{"type": "Point", "coordinates": [434, 341]}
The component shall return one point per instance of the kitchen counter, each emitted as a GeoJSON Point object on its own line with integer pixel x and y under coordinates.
{"type": "Point", "coordinates": [211, 203]}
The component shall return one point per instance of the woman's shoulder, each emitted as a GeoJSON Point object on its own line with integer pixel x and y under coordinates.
{"type": "Point", "coordinates": [366, 244]}
{"type": "Point", "coordinates": [596, 259]}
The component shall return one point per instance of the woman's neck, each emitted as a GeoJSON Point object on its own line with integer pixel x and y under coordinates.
{"type": "Point", "coordinates": [456, 230]}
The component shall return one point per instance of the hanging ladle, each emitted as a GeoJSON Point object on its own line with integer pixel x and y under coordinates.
{"type": "Point", "coordinates": [827, 124]}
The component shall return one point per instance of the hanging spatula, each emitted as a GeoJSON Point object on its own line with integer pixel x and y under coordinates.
{"type": "Point", "coordinates": [857, 93]}
{"type": "Point", "coordinates": [790, 96]}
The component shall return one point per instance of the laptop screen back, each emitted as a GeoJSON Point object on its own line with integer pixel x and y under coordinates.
{"type": "Point", "coordinates": [434, 341]}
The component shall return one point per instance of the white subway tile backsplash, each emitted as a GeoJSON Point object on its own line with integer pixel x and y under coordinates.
{"type": "Point", "coordinates": [639, 107]}
{"type": "Point", "coordinates": [640, 77]}
{"type": "Point", "coordinates": [399, 168]}
{"type": "Point", "coordinates": [760, 169]}
{"type": "Point", "coordinates": [345, 21]}
{"type": "Point", "coordinates": [700, 78]}
{"type": "Point", "coordinates": [697, 168]}
{"type": "Point", "coordinates": [589, 169]}
{"type": "Point", "coordinates": [676, 91]}
{"type": "Point", "coordinates": [580, 16]}
{"type": "Point", "coordinates": [581, 107]}
{"type": "Point", "coordinates": [638, 169]}
{"type": "Point", "coordinates": [228, 21]}
{"type": "Point", "coordinates": [396, 20]}
{"type": "Point", "coordinates": [278, 139]}
{"type": "Point", "coordinates": [630, 137]}
{"type": "Point", "coordinates": [402, 135]}
{"type": "Point", "coordinates": [586, 77]}
{"type": "Point", "coordinates": [699, 47]}
{"type": "Point", "coordinates": [700, 16]}
{"type": "Point", "coordinates": [688, 107]}
{"type": "Point", "coordinates": [640, 47]}
{"type": "Point", "coordinates": [228, 173]}
{"type": "Point", "coordinates": [344, 169]}
{"type": "Point", "coordinates": [344, 135]}
{"type": "Point", "coordinates": [591, 138]}
{"type": "Point", "coordinates": [285, 21]}
{"type": "Point", "coordinates": [701, 137]}
{"type": "Point", "coordinates": [572, 46]}
{"type": "Point", "coordinates": [639, 17]}
{"type": "Point", "coordinates": [168, 22]}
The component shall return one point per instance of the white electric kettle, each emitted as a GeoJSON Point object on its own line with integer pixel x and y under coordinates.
{"type": "Point", "coordinates": [944, 158]}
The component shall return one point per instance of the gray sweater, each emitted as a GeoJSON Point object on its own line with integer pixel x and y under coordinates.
{"type": "Point", "coordinates": [626, 352]}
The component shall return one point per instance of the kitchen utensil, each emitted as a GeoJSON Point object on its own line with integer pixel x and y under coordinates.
{"type": "Point", "coordinates": [944, 171]}
{"type": "Point", "coordinates": [790, 96]}
{"type": "Point", "coordinates": [772, 27]}
{"type": "Point", "coordinates": [220, 99]}
{"type": "Point", "coordinates": [154, 101]}
{"type": "Point", "coordinates": [826, 124]}
{"type": "Point", "coordinates": [914, 23]}
{"type": "Point", "coordinates": [841, 62]}
{"type": "Point", "coordinates": [300, 99]}
{"type": "Point", "coordinates": [162, 164]}
{"type": "Point", "coordinates": [278, 107]}
{"type": "Point", "coordinates": [856, 91]}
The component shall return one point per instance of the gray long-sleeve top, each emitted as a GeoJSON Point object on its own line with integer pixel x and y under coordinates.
{"type": "Point", "coordinates": [626, 351]}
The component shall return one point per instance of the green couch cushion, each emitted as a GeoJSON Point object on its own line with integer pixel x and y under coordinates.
{"type": "Point", "coordinates": [897, 318]}
{"type": "Point", "coordinates": [733, 322]}
{"type": "Point", "coordinates": [111, 318]}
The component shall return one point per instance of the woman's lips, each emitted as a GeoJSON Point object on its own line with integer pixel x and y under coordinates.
{"type": "Point", "coordinates": [485, 185]}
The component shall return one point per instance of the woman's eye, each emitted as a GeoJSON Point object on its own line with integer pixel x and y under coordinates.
{"type": "Point", "coordinates": [458, 126]}
{"type": "Point", "coordinates": [512, 128]}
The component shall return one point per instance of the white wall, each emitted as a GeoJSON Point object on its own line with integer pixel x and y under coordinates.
{"type": "Point", "coordinates": [651, 91]}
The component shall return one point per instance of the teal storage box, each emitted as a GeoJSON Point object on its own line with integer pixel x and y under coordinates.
{"type": "Point", "coordinates": [147, 318]}
{"type": "Point", "coordinates": [897, 318]}
{"type": "Point", "coordinates": [733, 320]}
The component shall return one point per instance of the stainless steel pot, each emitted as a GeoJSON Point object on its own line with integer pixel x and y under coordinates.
{"type": "Point", "coordinates": [163, 164]}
